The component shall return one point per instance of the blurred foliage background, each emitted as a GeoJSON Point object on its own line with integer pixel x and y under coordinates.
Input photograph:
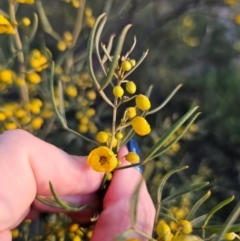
{"type": "Point", "coordinates": [194, 42]}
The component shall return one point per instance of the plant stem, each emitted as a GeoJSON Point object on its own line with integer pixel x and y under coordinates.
{"type": "Point", "coordinates": [20, 55]}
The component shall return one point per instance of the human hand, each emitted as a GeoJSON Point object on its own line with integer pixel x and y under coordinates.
{"type": "Point", "coordinates": [27, 164]}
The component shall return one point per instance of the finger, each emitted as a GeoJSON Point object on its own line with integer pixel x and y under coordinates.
{"type": "Point", "coordinates": [115, 217]}
{"type": "Point", "coordinates": [5, 236]}
{"type": "Point", "coordinates": [27, 165]}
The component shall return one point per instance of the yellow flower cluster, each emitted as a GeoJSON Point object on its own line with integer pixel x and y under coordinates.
{"type": "Point", "coordinates": [89, 18]}
{"type": "Point", "coordinates": [5, 26]}
{"type": "Point", "coordinates": [182, 231]}
{"type": "Point", "coordinates": [66, 42]}
{"type": "Point", "coordinates": [231, 3]}
{"type": "Point", "coordinates": [37, 60]}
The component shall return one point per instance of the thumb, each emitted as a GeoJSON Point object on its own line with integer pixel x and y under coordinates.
{"type": "Point", "coordinates": [115, 217]}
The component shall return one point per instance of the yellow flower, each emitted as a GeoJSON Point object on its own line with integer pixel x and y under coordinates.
{"type": "Point", "coordinates": [6, 76]}
{"type": "Point", "coordinates": [90, 21]}
{"type": "Point", "coordinates": [142, 102]}
{"type": "Point", "coordinates": [140, 126]}
{"type": "Point", "coordinates": [5, 26]}
{"type": "Point", "coordinates": [131, 87]}
{"type": "Point", "coordinates": [132, 62]}
{"type": "Point", "coordinates": [126, 65]}
{"type": "Point", "coordinates": [131, 112]}
{"type": "Point", "coordinates": [118, 91]}
{"type": "Point", "coordinates": [83, 128]}
{"type": "Point", "coordinates": [15, 233]}
{"type": "Point", "coordinates": [162, 229]}
{"type": "Point", "coordinates": [229, 236]}
{"type": "Point", "coordinates": [91, 94]}
{"type": "Point", "coordinates": [71, 91]}
{"type": "Point", "coordinates": [2, 116]}
{"type": "Point", "coordinates": [37, 123]}
{"type": "Point", "coordinates": [102, 159]}
{"type": "Point", "coordinates": [10, 126]}
{"type": "Point", "coordinates": [34, 78]}
{"type": "Point", "coordinates": [102, 136]}
{"type": "Point", "coordinates": [132, 157]}
{"type": "Point", "coordinates": [73, 227]}
{"type": "Point", "coordinates": [26, 1]}
{"type": "Point", "coordinates": [61, 45]}
{"type": "Point", "coordinates": [26, 21]}
{"type": "Point", "coordinates": [186, 226]}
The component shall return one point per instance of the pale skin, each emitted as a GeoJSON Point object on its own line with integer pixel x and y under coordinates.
{"type": "Point", "coordinates": [27, 164]}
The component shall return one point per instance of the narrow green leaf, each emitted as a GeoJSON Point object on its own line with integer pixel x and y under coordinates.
{"type": "Point", "coordinates": [89, 59]}
{"type": "Point", "coordinates": [166, 136]}
{"type": "Point", "coordinates": [65, 205]}
{"type": "Point", "coordinates": [197, 205]}
{"type": "Point", "coordinates": [167, 147]}
{"type": "Point", "coordinates": [137, 64]}
{"type": "Point", "coordinates": [161, 185]}
{"type": "Point", "coordinates": [196, 222]}
{"type": "Point", "coordinates": [45, 23]}
{"type": "Point", "coordinates": [109, 48]}
{"type": "Point", "coordinates": [165, 178]}
{"type": "Point", "coordinates": [217, 228]}
{"type": "Point", "coordinates": [51, 85]}
{"type": "Point", "coordinates": [230, 220]}
{"type": "Point", "coordinates": [133, 204]}
{"type": "Point", "coordinates": [185, 190]}
{"type": "Point", "coordinates": [61, 101]}
{"type": "Point", "coordinates": [165, 101]}
{"type": "Point", "coordinates": [117, 52]}
{"type": "Point", "coordinates": [97, 39]}
{"type": "Point", "coordinates": [216, 208]}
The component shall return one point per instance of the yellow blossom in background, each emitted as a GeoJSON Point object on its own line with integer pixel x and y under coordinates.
{"type": "Point", "coordinates": [2, 116]}
{"type": "Point", "coordinates": [231, 2]}
{"type": "Point", "coordinates": [83, 128]}
{"type": "Point", "coordinates": [90, 21]}
{"type": "Point", "coordinates": [26, 1]}
{"type": "Point", "coordinates": [38, 61]}
{"type": "Point", "coordinates": [140, 126]}
{"type": "Point", "coordinates": [37, 123]}
{"type": "Point", "coordinates": [88, 12]}
{"type": "Point", "coordinates": [15, 233]}
{"type": "Point", "coordinates": [61, 45]}
{"type": "Point", "coordinates": [102, 159]}
{"type": "Point", "coordinates": [26, 21]}
{"type": "Point", "coordinates": [5, 26]}
{"type": "Point", "coordinates": [188, 21]}
{"type": "Point", "coordinates": [71, 91]}
{"type": "Point", "coordinates": [142, 102]}
{"type": "Point", "coordinates": [6, 76]}
{"type": "Point", "coordinates": [33, 78]}
{"type": "Point", "coordinates": [10, 126]}
{"type": "Point", "coordinates": [237, 19]}
{"type": "Point", "coordinates": [229, 236]}
{"type": "Point", "coordinates": [91, 94]}
{"type": "Point", "coordinates": [131, 87]}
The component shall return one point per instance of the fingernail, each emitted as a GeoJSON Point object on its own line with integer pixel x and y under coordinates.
{"type": "Point", "coordinates": [133, 146]}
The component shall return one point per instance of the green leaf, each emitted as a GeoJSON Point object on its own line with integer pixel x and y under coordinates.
{"type": "Point", "coordinates": [97, 39]}
{"type": "Point", "coordinates": [109, 48]}
{"type": "Point", "coordinates": [66, 205]}
{"type": "Point", "coordinates": [137, 64]}
{"type": "Point", "coordinates": [165, 101]}
{"type": "Point", "coordinates": [61, 101]}
{"type": "Point", "coordinates": [197, 205]}
{"type": "Point", "coordinates": [161, 185]}
{"type": "Point", "coordinates": [51, 85]}
{"type": "Point", "coordinates": [196, 222]}
{"type": "Point", "coordinates": [133, 204]}
{"type": "Point", "coordinates": [89, 59]}
{"type": "Point", "coordinates": [216, 208]}
{"type": "Point", "coordinates": [170, 132]}
{"type": "Point", "coordinates": [117, 52]}
{"type": "Point", "coordinates": [230, 220]}
{"type": "Point", "coordinates": [167, 147]}
{"type": "Point", "coordinates": [185, 190]}
{"type": "Point", "coordinates": [217, 228]}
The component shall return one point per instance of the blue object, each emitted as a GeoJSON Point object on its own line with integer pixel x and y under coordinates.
{"type": "Point", "coordinates": [133, 146]}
